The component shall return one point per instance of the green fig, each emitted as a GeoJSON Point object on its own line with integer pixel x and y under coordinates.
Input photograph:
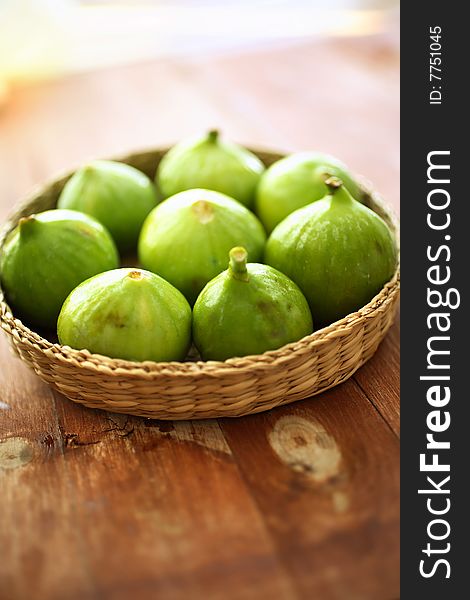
{"type": "Point", "coordinates": [49, 254]}
{"type": "Point", "coordinates": [294, 182]}
{"type": "Point", "coordinates": [127, 313]}
{"type": "Point", "coordinates": [339, 252]}
{"type": "Point", "coordinates": [117, 195]}
{"type": "Point", "coordinates": [248, 309]}
{"type": "Point", "coordinates": [209, 163]}
{"type": "Point", "coordinates": [187, 237]}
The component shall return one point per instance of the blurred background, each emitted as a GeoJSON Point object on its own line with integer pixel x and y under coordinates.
{"type": "Point", "coordinates": [81, 79]}
{"type": "Point", "coordinates": [40, 38]}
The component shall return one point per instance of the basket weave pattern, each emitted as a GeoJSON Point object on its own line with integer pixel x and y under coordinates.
{"type": "Point", "coordinates": [196, 389]}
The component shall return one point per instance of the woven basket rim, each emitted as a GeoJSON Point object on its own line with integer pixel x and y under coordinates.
{"type": "Point", "coordinates": [102, 363]}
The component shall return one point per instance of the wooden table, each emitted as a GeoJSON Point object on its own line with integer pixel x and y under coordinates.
{"type": "Point", "coordinates": [300, 502]}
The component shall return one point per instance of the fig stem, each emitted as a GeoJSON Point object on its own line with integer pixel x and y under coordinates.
{"type": "Point", "coordinates": [203, 211]}
{"type": "Point", "coordinates": [25, 224]}
{"type": "Point", "coordinates": [333, 183]}
{"type": "Point", "coordinates": [237, 265]}
{"type": "Point", "coordinates": [213, 135]}
{"type": "Point", "coordinates": [338, 191]}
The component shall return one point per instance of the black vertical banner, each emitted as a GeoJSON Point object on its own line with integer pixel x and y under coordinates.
{"type": "Point", "coordinates": [435, 255]}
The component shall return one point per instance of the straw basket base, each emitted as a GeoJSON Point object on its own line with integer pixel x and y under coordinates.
{"type": "Point", "coordinates": [196, 389]}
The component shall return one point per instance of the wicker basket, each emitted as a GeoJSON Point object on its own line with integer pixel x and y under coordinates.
{"type": "Point", "coordinates": [196, 389]}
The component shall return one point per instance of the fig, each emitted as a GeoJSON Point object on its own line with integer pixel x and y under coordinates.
{"type": "Point", "coordinates": [209, 163]}
{"type": "Point", "coordinates": [186, 238]}
{"type": "Point", "coordinates": [49, 254]}
{"type": "Point", "coordinates": [117, 195]}
{"type": "Point", "coordinates": [339, 252]}
{"type": "Point", "coordinates": [248, 309]}
{"type": "Point", "coordinates": [294, 182]}
{"type": "Point", "coordinates": [127, 313]}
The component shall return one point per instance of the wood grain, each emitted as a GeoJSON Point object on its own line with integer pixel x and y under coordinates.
{"type": "Point", "coordinates": [301, 502]}
{"type": "Point", "coordinates": [326, 496]}
{"type": "Point", "coordinates": [380, 378]}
